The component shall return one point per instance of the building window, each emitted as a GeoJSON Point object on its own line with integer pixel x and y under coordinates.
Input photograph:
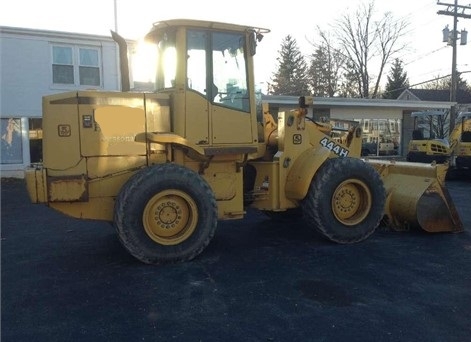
{"type": "Point", "coordinates": [12, 148]}
{"type": "Point", "coordinates": [89, 69]}
{"type": "Point", "coordinates": [62, 65]}
{"type": "Point", "coordinates": [76, 66]}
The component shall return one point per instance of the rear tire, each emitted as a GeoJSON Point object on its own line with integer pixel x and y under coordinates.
{"type": "Point", "coordinates": [165, 213]}
{"type": "Point", "coordinates": [345, 201]}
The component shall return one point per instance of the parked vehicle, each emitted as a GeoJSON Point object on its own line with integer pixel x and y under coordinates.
{"type": "Point", "coordinates": [165, 167]}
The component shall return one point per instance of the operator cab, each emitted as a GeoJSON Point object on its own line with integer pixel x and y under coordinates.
{"type": "Point", "coordinates": [207, 68]}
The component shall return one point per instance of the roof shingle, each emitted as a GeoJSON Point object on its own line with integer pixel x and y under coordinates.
{"type": "Point", "coordinates": [462, 96]}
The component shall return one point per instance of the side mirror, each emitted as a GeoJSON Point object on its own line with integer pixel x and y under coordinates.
{"type": "Point", "coordinates": [252, 43]}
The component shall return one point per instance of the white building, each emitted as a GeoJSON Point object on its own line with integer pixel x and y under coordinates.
{"type": "Point", "coordinates": [34, 63]}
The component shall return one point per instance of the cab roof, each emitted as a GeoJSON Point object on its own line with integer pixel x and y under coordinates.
{"type": "Point", "coordinates": [158, 26]}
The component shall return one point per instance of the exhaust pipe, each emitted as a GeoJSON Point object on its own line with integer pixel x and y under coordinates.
{"type": "Point", "coordinates": [123, 60]}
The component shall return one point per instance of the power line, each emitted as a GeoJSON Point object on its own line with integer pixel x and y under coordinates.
{"type": "Point", "coordinates": [439, 78]}
{"type": "Point", "coordinates": [414, 13]}
{"type": "Point", "coordinates": [425, 55]}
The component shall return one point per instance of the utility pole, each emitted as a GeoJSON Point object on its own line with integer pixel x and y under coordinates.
{"type": "Point", "coordinates": [457, 11]}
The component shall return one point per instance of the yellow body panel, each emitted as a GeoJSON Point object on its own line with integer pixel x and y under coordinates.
{"type": "Point", "coordinates": [114, 131]}
{"type": "Point", "coordinates": [299, 178]}
{"type": "Point", "coordinates": [197, 121]}
{"type": "Point", "coordinates": [61, 153]}
{"type": "Point", "coordinates": [100, 208]}
{"type": "Point", "coordinates": [36, 184]}
{"type": "Point", "coordinates": [461, 150]}
{"type": "Point", "coordinates": [226, 126]}
{"type": "Point", "coordinates": [464, 149]}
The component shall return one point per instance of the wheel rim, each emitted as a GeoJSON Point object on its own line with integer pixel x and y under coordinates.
{"type": "Point", "coordinates": [170, 217]}
{"type": "Point", "coordinates": [351, 202]}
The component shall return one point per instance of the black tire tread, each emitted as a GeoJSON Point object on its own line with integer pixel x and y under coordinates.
{"type": "Point", "coordinates": [134, 238]}
{"type": "Point", "coordinates": [317, 209]}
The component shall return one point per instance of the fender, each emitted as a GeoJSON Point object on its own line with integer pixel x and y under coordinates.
{"type": "Point", "coordinates": [301, 173]}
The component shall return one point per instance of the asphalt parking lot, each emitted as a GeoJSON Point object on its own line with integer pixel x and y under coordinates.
{"type": "Point", "coordinates": [65, 279]}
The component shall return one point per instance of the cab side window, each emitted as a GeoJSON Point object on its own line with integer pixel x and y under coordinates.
{"type": "Point", "coordinates": [217, 68]}
{"type": "Point", "coordinates": [230, 70]}
{"type": "Point", "coordinates": [196, 61]}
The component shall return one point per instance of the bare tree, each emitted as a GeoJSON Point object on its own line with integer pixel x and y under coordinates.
{"type": "Point", "coordinates": [369, 45]}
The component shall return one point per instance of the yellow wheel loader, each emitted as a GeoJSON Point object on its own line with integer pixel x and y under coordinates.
{"type": "Point", "coordinates": [424, 146]}
{"type": "Point", "coordinates": [166, 166]}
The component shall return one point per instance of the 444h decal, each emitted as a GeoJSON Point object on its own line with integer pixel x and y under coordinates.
{"type": "Point", "coordinates": [334, 147]}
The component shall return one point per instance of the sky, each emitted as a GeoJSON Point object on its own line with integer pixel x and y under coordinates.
{"type": "Point", "coordinates": [425, 57]}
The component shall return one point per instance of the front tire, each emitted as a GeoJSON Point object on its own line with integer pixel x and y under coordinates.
{"type": "Point", "coordinates": [345, 201]}
{"type": "Point", "coordinates": [165, 213]}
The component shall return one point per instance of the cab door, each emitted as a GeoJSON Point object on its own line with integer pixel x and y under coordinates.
{"type": "Point", "coordinates": [230, 107]}
{"type": "Point", "coordinates": [198, 95]}
{"type": "Point", "coordinates": [217, 97]}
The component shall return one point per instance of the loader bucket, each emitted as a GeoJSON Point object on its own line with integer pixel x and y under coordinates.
{"type": "Point", "coordinates": [416, 196]}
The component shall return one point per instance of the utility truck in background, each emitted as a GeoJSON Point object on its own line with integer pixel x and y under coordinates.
{"type": "Point", "coordinates": [166, 166]}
